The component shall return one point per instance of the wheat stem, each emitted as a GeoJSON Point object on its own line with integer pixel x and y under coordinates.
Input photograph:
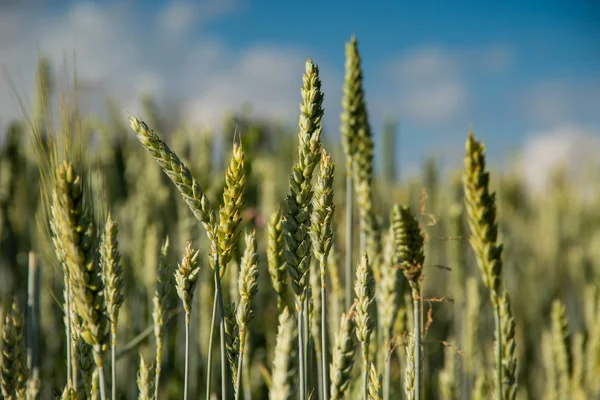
{"type": "Point", "coordinates": [210, 345]}
{"type": "Point", "coordinates": [349, 237]}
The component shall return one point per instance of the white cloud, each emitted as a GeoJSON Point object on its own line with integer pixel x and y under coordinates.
{"type": "Point", "coordinates": [123, 53]}
{"type": "Point", "coordinates": [570, 147]}
{"type": "Point", "coordinates": [553, 102]}
{"type": "Point", "coordinates": [430, 82]}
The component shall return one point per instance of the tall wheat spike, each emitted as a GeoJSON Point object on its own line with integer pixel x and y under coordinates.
{"type": "Point", "coordinates": [297, 220]}
{"type": "Point", "coordinates": [275, 258]}
{"type": "Point", "coordinates": [409, 255]}
{"type": "Point", "coordinates": [112, 272]}
{"type": "Point", "coordinates": [160, 308]}
{"type": "Point", "coordinates": [481, 212]}
{"type": "Point", "coordinates": [322, 240]}
{"type": "Point", "coordinates": [74, 229]}
{"type": "Point", "coordinates": [186, 277]}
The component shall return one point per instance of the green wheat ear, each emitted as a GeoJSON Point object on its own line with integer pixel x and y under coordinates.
{"type": "Point", "coordinates": [186, 277]}
{"type": "Point", "coordinates": [75, 232]}
{"type": "Point", "coordinates": [297, 219]}
{"type": "Point", "coordinates": [13, 372]}
{"type": "Point", "coordinates": [275, 258]}
{"type": "Point", "coordinates": [409, 241]}
{"type": "Point", "coordinates": [481, 211]}
{"type": "Point", "coordinates": [229, 214]}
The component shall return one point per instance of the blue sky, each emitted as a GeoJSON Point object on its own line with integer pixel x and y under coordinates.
{"type": "Point", "coordinates": [525, 73]}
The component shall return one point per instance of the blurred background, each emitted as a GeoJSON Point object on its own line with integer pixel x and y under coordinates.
{"type": "Point", "coordinates": [524, 74]}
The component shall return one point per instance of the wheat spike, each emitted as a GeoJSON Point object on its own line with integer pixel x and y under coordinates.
{"type": "Point", "coordinates": [343, 357]}
{"type": "Point", "coordinates": [297, 219]}
{"type": "Point", "coordinates": [186, 277]}
{"type": "Point", "coordinates": [275, 258]}
{"type": "Point", "coordinates": [284, 362]}
{"type": "Point", "coordinates": [229, 213]}
{"type": "Point", "coordinates": [13, 372]}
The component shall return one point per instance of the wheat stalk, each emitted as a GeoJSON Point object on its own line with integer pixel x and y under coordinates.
{"type": "Point", "coordinates": [112, 272]}
{"type": "Point", "coordinates": [364, 288]}
{"type": "Point", "coordinates": [75, 231]}
{"type": "Point", "coordinates": [296, 223]}
{"type": "Point", "coordinates": [322, 240]}
{"type": "Point", "coordinates": [247, 287]}
{"type": "Point", "coordinates": [186, 277]}
{"type": "Point", "coordinates": [409, 255]}
{"type": "Point", "coordinates": [481, 212]}
{"type": "Point", "coordinates": [160, 309]}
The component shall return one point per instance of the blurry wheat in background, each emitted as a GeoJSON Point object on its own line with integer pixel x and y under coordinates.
{"type": "Point", "coordinates": [166, 272]}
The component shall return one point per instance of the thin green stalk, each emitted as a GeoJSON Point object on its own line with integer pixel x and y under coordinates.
{"type": "Point", "coordinates": [238, 384]}
{"type": "Point", "coordinates": [497, 320]}
{"type": "Point", "coordinates": [418, 371]}
{"type": "Point", "coordinates": [349, 234]}
{"type": "Point", "coordinates": [69, 335]}
{"type": "Point", "coordinates": [324, 363]}
{"type": "Point", "coordinates": [365, 377]}
{"type": "Point", "coordinates": [224, 362]}
{"type": "Point", "coordinates": [210, 345]}
{"type": "Point", "coordinates": [306, 338]}
{"type": "Point", "coordinates": [33, 319]}
{"type": "Point", "coordinates": [101, 382]}
{"type": "Point", "coordinates": [187, 357]}
{"type": "Point", "coordinates": [301, 354]}
{"type": "Point", "coordinates": [113, 359]}
{"type": "Point", "coordinates": [387, 377]}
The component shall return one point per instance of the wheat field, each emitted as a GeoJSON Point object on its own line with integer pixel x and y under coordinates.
{"type": "Point", "coordinates": [137, 261]}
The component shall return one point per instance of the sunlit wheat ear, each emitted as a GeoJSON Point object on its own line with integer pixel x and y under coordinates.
{"type": "Point", "coordinates": [481, 212]}
{"type": "Point", "coordinates": [296, 223]}
{"type": "Point", "coordinates": [13, 371]}
{"type": "Point", "coordinates": [112, 270]}
{"type": "Point", "coordinates": [375, 388]}
{"type": "Point", "coordinates": [352, 103]}
{"type": "Point", "coordinates": [343, 356]}
{"type": "Point", "coordinates": [232, 337]}
{"type": "Point", "coordinates": [145, 381]}
{"type": "Point", "coordinates": [409, 242]}
{"type": "Point", "coordinates": [410, 256]}
{"type": "Point", "coordinates": [284, 362]}
{"type": "Point", "coordinates": [112, 274]}
{"type": "Point", "coordinates": [160, 310]}
{"type": "Point", "coordinates": [186, 277]}
{"type": "Point", "coordinates": [76, 232]}
{"type": "Point", "coordinates": [364, 287]}
{"type": "Point", "coordinates": [230, 211]}
{"type": "Point", "coordinates": [178, 173]}
{"type": "Point", "coordinates": [275, 258]}
{"type": "Point", "coordinates": [322, 214]}
{"type": "Point", "coordinates": [358, 139]}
